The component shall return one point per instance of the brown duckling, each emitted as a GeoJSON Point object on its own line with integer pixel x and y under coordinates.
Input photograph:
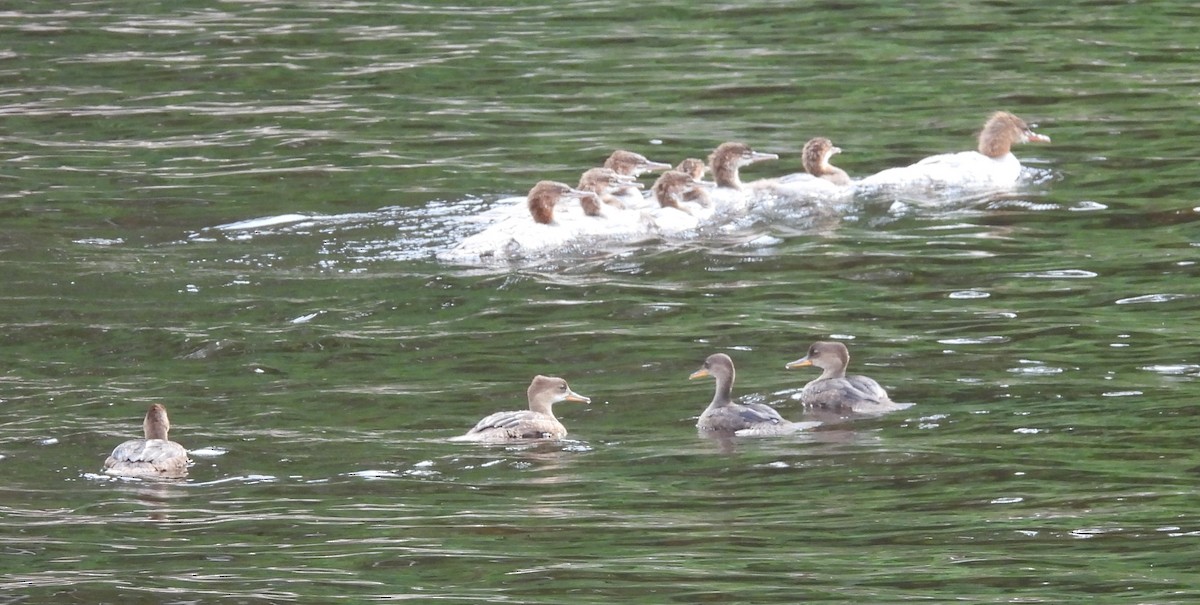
{"type": "Point", "coordinates": [816, 156]}
{"type": "Point", "coordinates": [632, 164]}
{"type": "Point", "coordinates": [727, 158]}
{"type": "Point", "coordinates": [602, 183]}
{"type": "Point", "coordinates": [674, 187]}
{"type": "Point", "coordinates": [694, 167]}
{"type": "Point", "coordinates": [545, 195]}
{"type": "Point", "coordinates": [835, 391]}
{"type": "Point", "coordinates": [154, 457]}
{"type": "Point", "coordinates": [538, 422]}
{"type": "Point", "coordinates": [723, 415]}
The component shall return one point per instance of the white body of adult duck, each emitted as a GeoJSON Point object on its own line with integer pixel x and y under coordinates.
{"type": "Point", "coordinates": [992, 165]}
{"type": "Point", "coordinates": [538, 422]}
{"type": "Point", "coordinates": [155, 456]}
{"type": "Point", "coordinates": [724, 416]}
{"type": "Point", "coordinates": [834, 391]}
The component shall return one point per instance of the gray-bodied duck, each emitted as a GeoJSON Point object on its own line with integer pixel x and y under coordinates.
{"type": "Point", "coordinates": [155, 456]}
{"type": "Point", "coordinates": [724, 415]}
{"type": "Point", "coordinates": [833, 390]}
{"type": "Point", "coordinates": [538, 422]}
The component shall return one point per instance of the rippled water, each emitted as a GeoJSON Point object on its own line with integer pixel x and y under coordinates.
{"type": "Point", "coordinates": [235, 209]}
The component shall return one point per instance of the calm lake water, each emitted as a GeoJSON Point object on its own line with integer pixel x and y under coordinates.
{"type": "Point", "coordinates": [315, 365]}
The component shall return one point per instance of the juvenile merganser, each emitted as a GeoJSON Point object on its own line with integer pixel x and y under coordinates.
{"type": "Point", "coordinates": [154, 457]}
{"type": "Point", "coordinates": [603, 182]}
{"type": "Point", "coordinates": [820, 178]}
{"type": "Point", "coordinates": [675, 187]}
{"type": "Point", "coordinates": [833, 390]}
{"type": "Point", "coordinates": [816, 157]}
{"type": "Point", "coordinates": [538, 422]}
{"type": "Point", "coordinates": [723, 415]}
{"type": "Point", "coordinates": [992, 165]}
{"type": "Point", "coordinates": [545, 195]}
{"type": "Point", "coordinates": [727, 158]}
{"type": "Point", "coordinates": [628, 163]}
{"type": "Point", "coordinates": [694, 167]}
{"type": "Point", "coordinates": [632, 164]}
{"type": "Point", "coordinates": [683, 203]}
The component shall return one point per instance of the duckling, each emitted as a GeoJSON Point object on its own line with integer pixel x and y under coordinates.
{"type": "Point", "coordinates": [632, 164]}
{"type": "Point", "coordinates": [538, 422]}
{"type": "Point", "coordinates": [602, 183]}
{"type": "Point", "coordinates": [816, 157]}
{"type": "Point", "coordinates": [835, 391]}
{"type": "Point", "coordinates": [723, 415]}
{"type": "Point", "coordinates": [543, 197]}
{"type": "Point", "coordinates": [727, 158]}
{"type": "Point", "coordinates": [154, 457]}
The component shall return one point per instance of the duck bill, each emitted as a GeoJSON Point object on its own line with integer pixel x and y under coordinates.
{"type": "Point", "coordinates": [573, 396]}
{"type": "Point", "coordinates": [652, 165]}
{"type": "Point", "coordinates": [758, 156]}
{"type": "Point", "coordinates": [701, 373]}
{"type": "Point", "coordinates": [1033, 137]}
{"type": "Point", "coordinates": [799, 363]}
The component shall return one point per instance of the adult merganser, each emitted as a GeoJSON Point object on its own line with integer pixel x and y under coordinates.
{"type": "Point", "coordinates": [727, 158]}
{"type": "Point", "coordinates": [603, 182]}
{"type": "Point", "coordinates": [154, 457]}
{"type": "Point", "coordinates": [991, 165]}
{"type": "Point", "coordinates": [538, 422]}
{"type": "Point", "coordinates": [723, 415]}
{"type": "Point", "coordinates": [833, 390]}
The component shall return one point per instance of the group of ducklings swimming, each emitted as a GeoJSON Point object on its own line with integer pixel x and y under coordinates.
{"type": "Point", "coordinates": [611, 204]}
{"type": "Point", "coordinates": [156, 456]}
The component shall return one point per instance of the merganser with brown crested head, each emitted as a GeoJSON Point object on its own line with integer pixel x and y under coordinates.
{"type": "Point", "coordinates": [820, 178]}
{"type": "Point", "coordinates": [991, 165]}
{"type": "Point", "coordinates": [727, 158]}
{"type": "Point", "coordinates": [543, 197]}
{"type": "Point", "coordinates": [155, 456]}
{"type": "Point", "coordinates": [538, 422]}
{"type": "Point", "coordinates": [632, 164]}
{"type": "Point", "coordinates": [675, 187]}
{"type": "Point", "coordinates": [628, 163]}
{"type": "Point", "coordinates": [816, 159]}
{"type": "Point", "coordinates": [833, 390]}
{"type": "Point", "coordinates": [603, 182]}
{"type": "Point", "coordinates": [725, 416]}
{"type": "Point", "coordinates": [694, 167]}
